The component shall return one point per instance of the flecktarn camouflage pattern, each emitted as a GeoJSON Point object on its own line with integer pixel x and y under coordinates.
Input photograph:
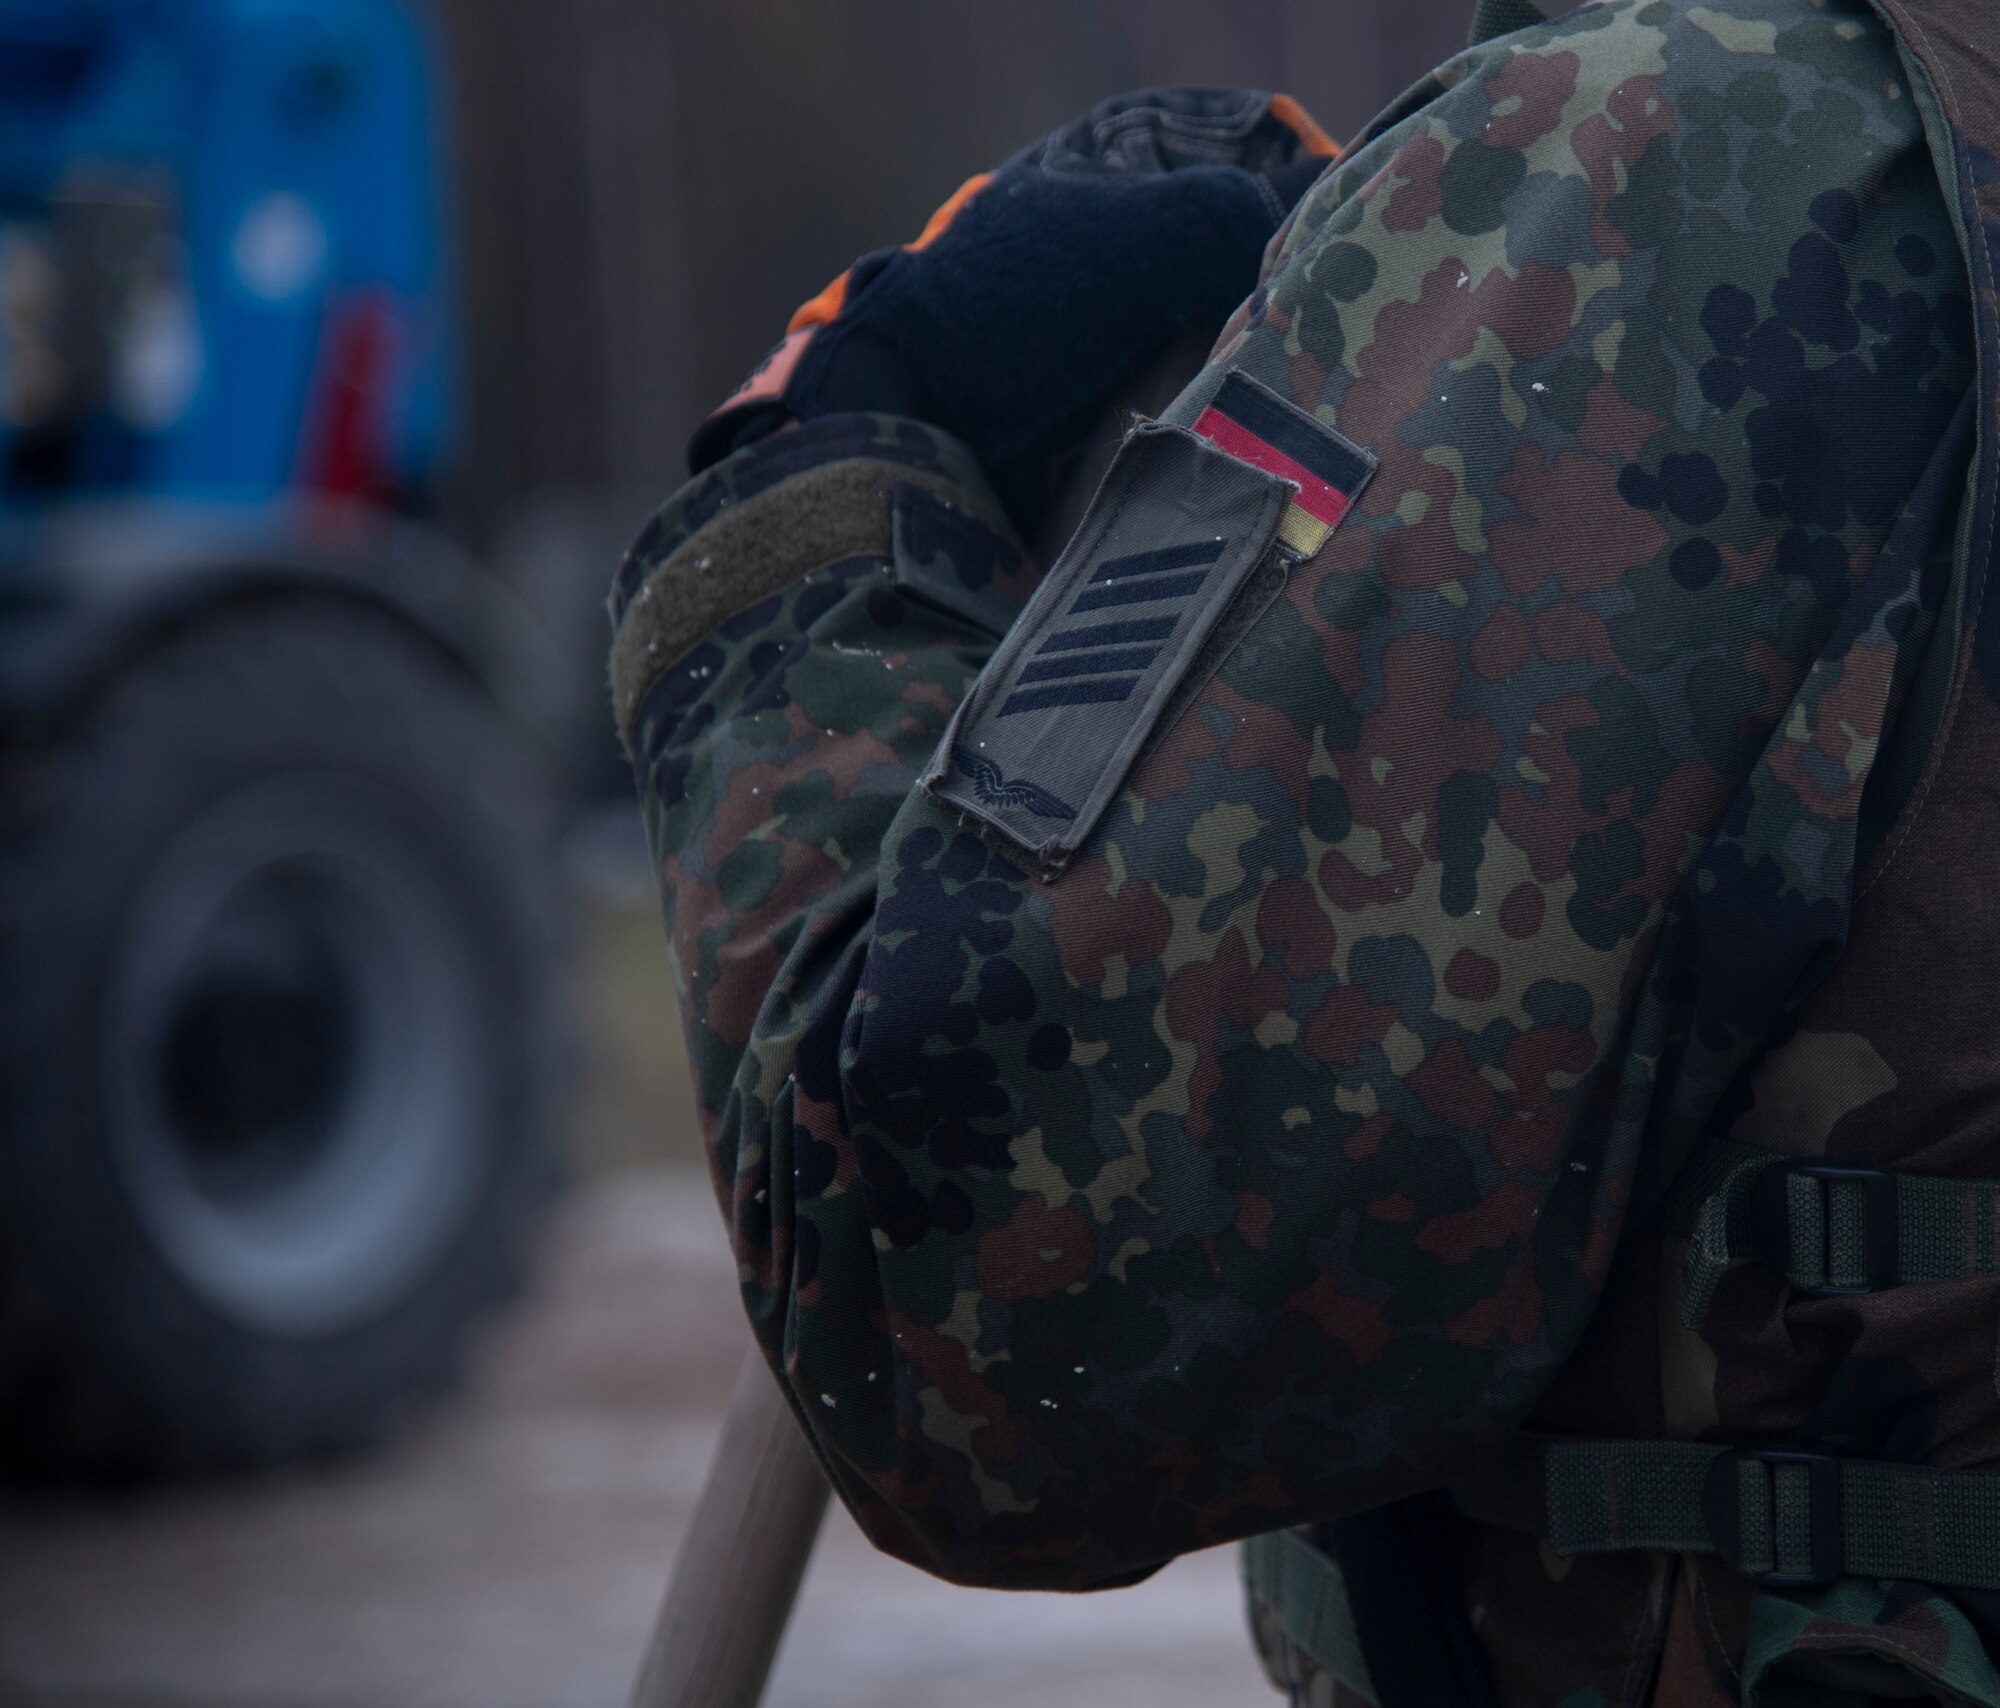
{"type": "Point", "coordinates": [1581, 801]}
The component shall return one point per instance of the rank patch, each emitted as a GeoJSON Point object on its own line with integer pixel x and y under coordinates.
{"type": "Point", "coordinates": [1044, 740]}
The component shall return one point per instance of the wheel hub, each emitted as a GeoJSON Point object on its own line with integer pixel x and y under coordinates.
{"type": "Point", "coordinates": [294, 1079]}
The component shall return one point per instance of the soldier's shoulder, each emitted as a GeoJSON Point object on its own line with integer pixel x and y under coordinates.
{"type": "Point", "coordinates": [1736, 88]}
{"type": "Point", "coordinates": [1786, 48]}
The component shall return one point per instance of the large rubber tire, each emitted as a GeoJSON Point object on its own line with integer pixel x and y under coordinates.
{"type": "Point", "coordinates": [276, 1043]}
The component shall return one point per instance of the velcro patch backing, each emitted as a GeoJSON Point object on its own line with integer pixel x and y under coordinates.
{"type": "Point", "coordinates": [1042, 743]}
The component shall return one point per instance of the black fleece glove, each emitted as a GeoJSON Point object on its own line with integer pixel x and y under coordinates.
{"type": "Point", "coordinates": [1040, 288]}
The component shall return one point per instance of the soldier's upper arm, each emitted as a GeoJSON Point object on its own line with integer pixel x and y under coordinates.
{"type": "Point", "coordinates": [1207, 1087]}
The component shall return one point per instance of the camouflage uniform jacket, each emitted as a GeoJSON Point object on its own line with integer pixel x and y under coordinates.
{"type": "Point", "coordinates": [1236, 1094]}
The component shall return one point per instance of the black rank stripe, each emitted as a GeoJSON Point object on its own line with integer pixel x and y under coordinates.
{"type": "Point", "coordinates": [1095, 691]}
{"type": "Point", "coordinates": [1139, 590]}
{"type": "Point", "coordinates": [1110, 634]}
{"type": "Point", "coordinates": [1089, 663]}
{"type": "Point", "coordinates": [1189, 556]}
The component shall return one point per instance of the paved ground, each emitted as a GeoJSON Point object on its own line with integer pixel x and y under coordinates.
{"type": "Point", "coordinates": [509, 1551]}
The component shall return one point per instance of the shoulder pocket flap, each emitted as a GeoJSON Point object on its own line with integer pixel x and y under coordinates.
{"type": "Point", "coordinates": [953, 561]}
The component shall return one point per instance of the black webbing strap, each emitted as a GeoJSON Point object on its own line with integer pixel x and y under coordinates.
{"type": "Point", "coordinates": [1373, 1600]}
{"type": "Point", "coordinates": [1782, 1516]}
{"type": "Point", "coordinates": [1409, 1610]}
{"type": "Point", "coordinates": [1305, 1591]}
{"type": "Point", "coordinates": [1827, 1228]}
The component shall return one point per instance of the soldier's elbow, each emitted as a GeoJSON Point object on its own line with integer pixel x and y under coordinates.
{"type": "Point", "coordinates": [1017, 1555]}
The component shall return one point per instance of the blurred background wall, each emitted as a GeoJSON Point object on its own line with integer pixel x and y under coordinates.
{"type": "Point", "coordinates": [648, 187]}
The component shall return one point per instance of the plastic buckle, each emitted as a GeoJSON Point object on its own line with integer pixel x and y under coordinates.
{"type": "Point", "coordinates": [1771, 1223]}
{"type": "Point", "coordinates": [1722, 1512]}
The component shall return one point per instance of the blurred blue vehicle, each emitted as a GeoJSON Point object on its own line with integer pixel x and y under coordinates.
{"type": "Point", "coordinates": [221, 271]}
{"type": "Point", "coordinates": [275, 918]}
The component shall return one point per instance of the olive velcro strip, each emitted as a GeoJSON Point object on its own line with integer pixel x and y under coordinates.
{"type": "Point", "coordinates": [755, 547]}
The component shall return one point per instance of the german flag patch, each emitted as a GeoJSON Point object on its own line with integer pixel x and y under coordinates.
{"type": "Point", "coordinates": [1255, 425]}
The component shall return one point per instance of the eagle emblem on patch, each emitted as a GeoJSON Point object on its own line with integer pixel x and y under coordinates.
{"type": "Point", "coordinates": [990, 783]}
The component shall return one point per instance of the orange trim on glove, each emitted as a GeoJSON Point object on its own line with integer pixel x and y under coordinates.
{"type": "Point", "coordinates": [828, 304]}
{"type": "Point", "coordinates": [826, 307]}
{"type": "Point", "coordinates": [1300, 123]}
{"type": "Point", "coordinates": [768, 380]}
